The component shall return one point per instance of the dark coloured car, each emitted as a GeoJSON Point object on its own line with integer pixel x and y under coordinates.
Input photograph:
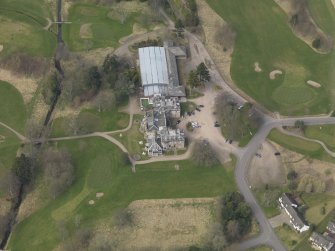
{"type": "Point", "coordinates": [178, 121]}
{"type": "Point", "coordinates": [201, 106]}
{"type": "Point", "coordinates": [216, 124]}
{"type": "Point", "coordinates": [198, 109]}
{"type": "Point", "coordinates": [277, 153]}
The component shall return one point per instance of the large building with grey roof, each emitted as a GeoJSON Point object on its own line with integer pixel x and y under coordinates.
{"type": "Point", "coordinates": [159, 70]}
{"type": "Point", "coordinates": [290, 208]}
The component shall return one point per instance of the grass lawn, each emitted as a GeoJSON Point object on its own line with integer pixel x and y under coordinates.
{"type": "Point", "coordinates": [13, 111]}
{"type": "Point", "coordinates": [324, 133]}
{"type": "Point", "coordinates": [289, 237]}
{"type": "Point", "coordinates": [92, 27]}
{"type": "Point", "coordinates": [296, 144]}
{"type": "Point", "coordinates": [270, 209]}
{"type": "Point", "coordinates": [90, 120]}
{"type": "Point", "coordinates": [99, 168]}
{"type": "Point", "coordinates": [187, 107]}
{"type": "Point", "coordinates": [264, 36]}
{"type": "Point", "coordinates": [131, 138]}
{"type": "Point", "coordinates": [23, 21]}
{"type": "Point", "coordinates": [323, 14]}
{"type": "Point", "coordinates": [9, 145]}
{"type": "Point", "coordinates": [314, 203]}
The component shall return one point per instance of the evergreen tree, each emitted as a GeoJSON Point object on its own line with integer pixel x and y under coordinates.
{"type": "Point", "coordinates": [94, 80]}
{"type": "Point", "coordinates": [22, 168]}
{"type": "Point", "coordinates": [193, 79]}
{"type": "Point", "coordinates": [203, 73]}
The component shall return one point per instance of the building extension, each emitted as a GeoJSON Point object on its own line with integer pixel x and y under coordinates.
{"type": "Point", "coordinates": [159, 71]}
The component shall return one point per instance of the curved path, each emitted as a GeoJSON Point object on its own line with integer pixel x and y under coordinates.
{"type": "Point", "coordinates": [331, 153]}
{"type": "Point", "coordinates": [19, 135]}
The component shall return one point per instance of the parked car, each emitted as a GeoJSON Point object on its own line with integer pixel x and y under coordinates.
{"type": "Point", "coordinates": [216, 124]}
{"type": "Point", "coordinates": [178, 121]}
{"type": "Point", "coordinates": [258, 155]}
{"type": "Point", "coordinates": [277, 153]}
{"type": "Point", "coordinates": [230, 141]}
{"type": "Point", "coordinates": [198, 109]}
{"type": "Point", "coordinates": [201, 106]}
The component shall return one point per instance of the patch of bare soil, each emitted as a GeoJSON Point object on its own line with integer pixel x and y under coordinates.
{"type": "Point", "coordinates": [163, 224]}
{"type": "Point", "coordinates": [91, 202]}
{"type": "Point", "coordinates": [40, 109]}
{"type": "Point", "coordinates": [257, 67]}
{"type": "Point", "coordinates": [267, 168]}
{"type": "Point", "coordinates": [138, 29]}
{"type": "Point", "coordinates": [274, 73]}
{"type": "Point", "coordinates": [303, 25]}
{"type": "Point", "coordinates": [217, 32]}
{"type": "Point", "coordinates": [96, 56]}
{"type": "Point", "coordinates": [26, 85]}
{"type": "Point", "coordinates": [86, 31]}
{"type": "Point", "coordinates": [306, 166]}
{"type": "Point", "coordinates": [5, 206]}
{"type": "Point", "coordinates": [1, 47]}
{"type": "Point", "coordinates": [313, 84]}
{"type": "Point", "coordinates": [333, 2]}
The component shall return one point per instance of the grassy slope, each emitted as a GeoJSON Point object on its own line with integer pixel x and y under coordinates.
{"type": "Point", "coordinates": [22, 22]}
{"type": "Point", "coordinates": [263, 35]}
{"type": "Point", "coordinates": [325, 133]}
{"type": "Point", "coordinates": [296, 144]}
{"type": "Point", "coordinates": [8, 148]}
{"type": "Point", "coordinates": [13, 110]}
{"type": "Point", "coordinates": [105, 31]}
{"type": "Point", "coordinates": [324, 15]}
{"type": "Point", "coordinates": [101, 121]}
{"type": "Point", "coordinates": [99, 169]}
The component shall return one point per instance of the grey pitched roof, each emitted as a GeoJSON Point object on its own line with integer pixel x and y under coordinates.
{"type": "Point", "coordinates": [291, 206]}
{"type": "Point", "coordinates": [325, 242]}
{"type": "Point", "coordinates": [331, 227]}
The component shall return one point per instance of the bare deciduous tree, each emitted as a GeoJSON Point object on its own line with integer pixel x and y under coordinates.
{"type": "Point", "coordinates": [58, 170]}
{"type": "Point", "coordinates": [204, 155]}
{"type": "Point", "coordinates": [105, 100]}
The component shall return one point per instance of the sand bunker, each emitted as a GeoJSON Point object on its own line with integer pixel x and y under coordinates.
{"type": "Point", "coordinates": [2, 139]}
{"type": "Point", "coordinates": [274, 73]}
{"type": "Point", "coordinates": [86, 31]}
{"type": "Point", "coordinates": [257, 67]}
{"type": "Point", "coordinates": [1, 47]}
{"type": "Point", "coordinates": [313, 84]}
{"type": "Point", "coordinates": [99, 195]}
{"type": "Point", "coordinates": [91, 202]}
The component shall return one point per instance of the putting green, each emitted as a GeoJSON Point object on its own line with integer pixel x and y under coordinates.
{"type": "Point", "coordinates": [22, 22]}
{"type": "Point", "coordinates": [104, 31]}
{"type": "Point", "coordinates": [13, 111]}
